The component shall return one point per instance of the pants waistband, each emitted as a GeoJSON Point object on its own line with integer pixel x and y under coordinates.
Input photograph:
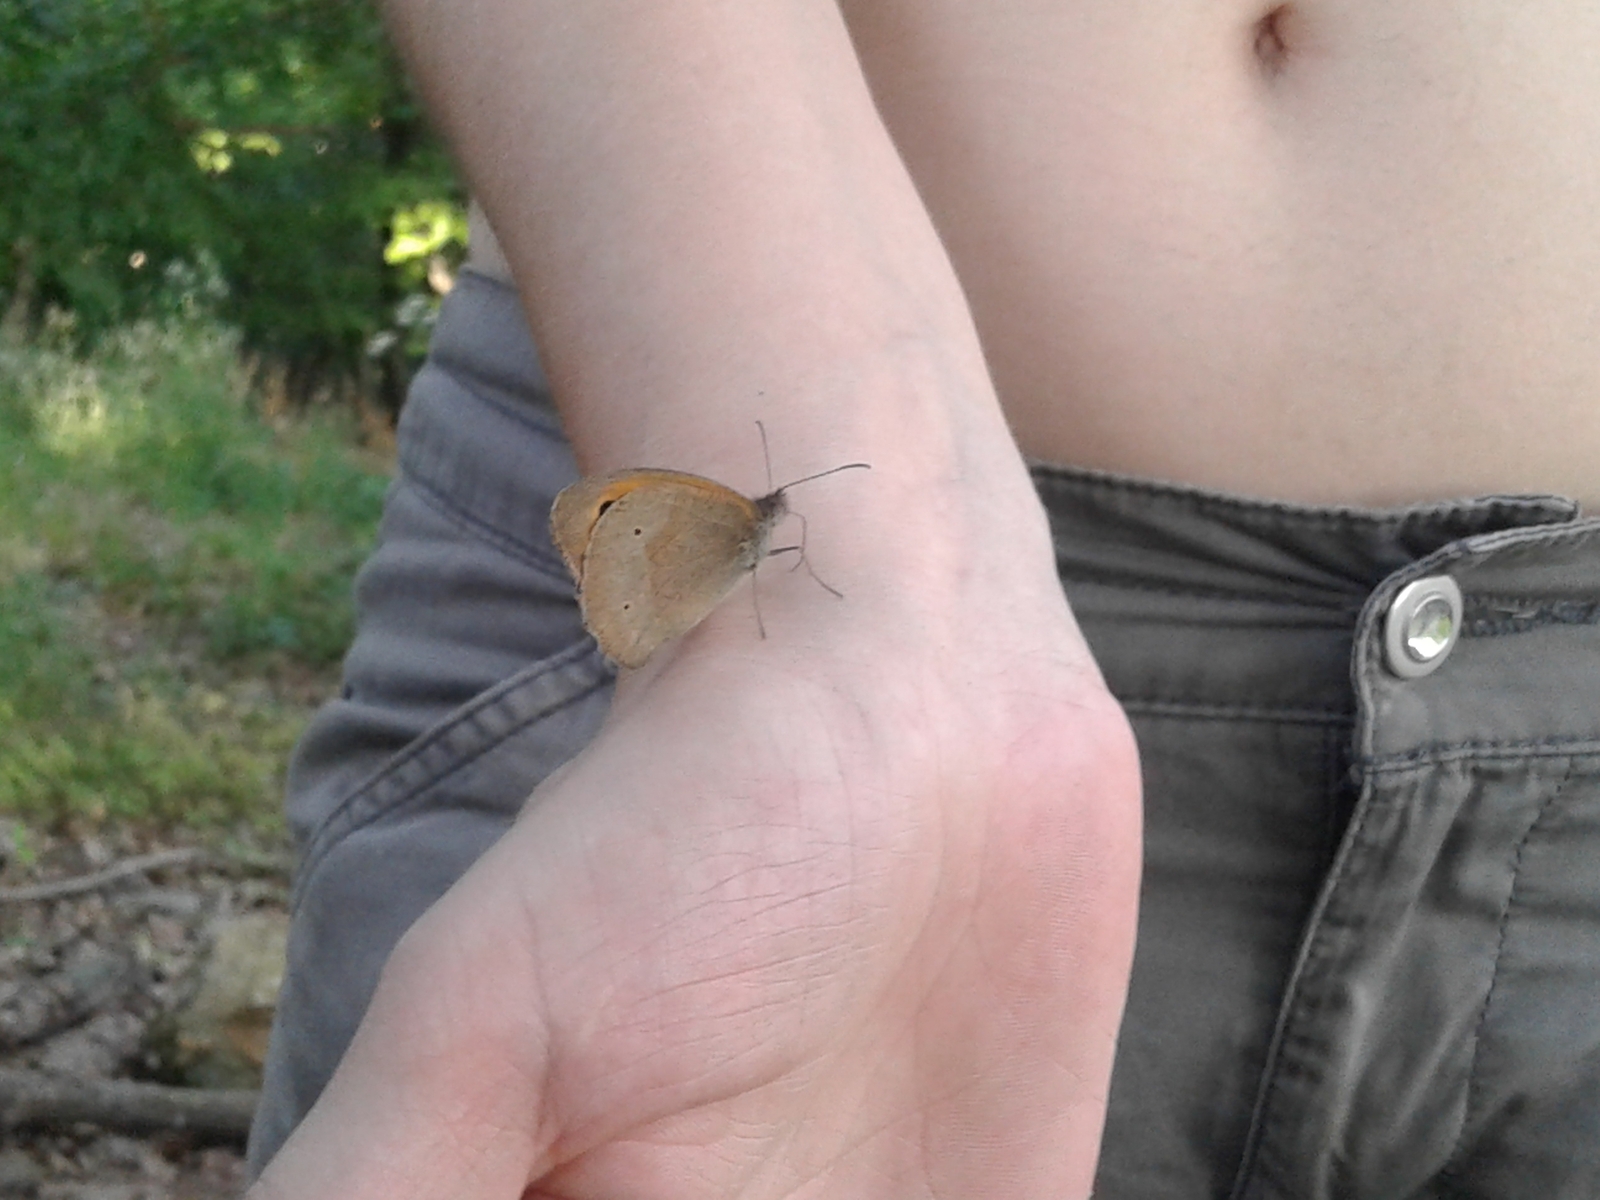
{"type": "Point", "coordinates": [1201, 603]}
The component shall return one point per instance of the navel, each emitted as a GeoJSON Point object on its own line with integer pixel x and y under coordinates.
{"type": "Point", "coordinates": [1272, 43]}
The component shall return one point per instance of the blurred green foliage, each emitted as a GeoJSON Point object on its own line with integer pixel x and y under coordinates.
{"type": "Point", "coordinates": [175, 574]}
{"type": "Point", "coordinates": [251, 158]}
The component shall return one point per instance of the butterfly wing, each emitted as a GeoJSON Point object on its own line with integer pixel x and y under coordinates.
{"type": "Point", "coordinates": [660, 557]}
{"type": "Point", "coordinates": [578, 507]}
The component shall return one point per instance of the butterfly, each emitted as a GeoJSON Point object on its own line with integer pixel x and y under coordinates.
{"type": "Point", "coordinates": [654, 551]}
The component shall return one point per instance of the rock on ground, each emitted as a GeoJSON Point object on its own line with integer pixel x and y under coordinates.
{"type": "Point", "coordinates": [167, 978]}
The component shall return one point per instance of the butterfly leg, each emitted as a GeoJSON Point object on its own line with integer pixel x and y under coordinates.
{"type": "Point", "coordinates": [803, 561]}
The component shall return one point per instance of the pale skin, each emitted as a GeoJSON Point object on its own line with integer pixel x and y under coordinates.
{"type": "Point", "coordinates": [848, 911]}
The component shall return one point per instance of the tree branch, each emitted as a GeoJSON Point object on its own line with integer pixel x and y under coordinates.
{"type": "Point", "coordinates": [38, 1100]}
{"type": "Point", "coordinates": [137, 865]}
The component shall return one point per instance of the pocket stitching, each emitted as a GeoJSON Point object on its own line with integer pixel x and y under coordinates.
{"type": "Point", "coordinates": [408, 772]}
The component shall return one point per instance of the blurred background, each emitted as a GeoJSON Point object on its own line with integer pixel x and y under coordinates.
{"type": "Point", "coordinates": [224, 233]}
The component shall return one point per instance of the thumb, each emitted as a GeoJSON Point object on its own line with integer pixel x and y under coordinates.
{"type": "Point", "coordinates": [440, 1093]}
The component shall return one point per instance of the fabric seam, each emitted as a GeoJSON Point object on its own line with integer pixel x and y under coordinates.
{"type": "Point", "coordinates": [1426, 756]}
{"type": "Point", "coordinates": [1556, 509]}
{"type": "Point", "coordinates": [1312, 965]}
{"type": "Point", "coordinates": [1178, 709]}
{"type": "Point", "coordinates": [1111, 581]}
{"type": "Point", "coordinates": [1455, 1159]}
{"type": "Point", "coordinates": [341, 823]}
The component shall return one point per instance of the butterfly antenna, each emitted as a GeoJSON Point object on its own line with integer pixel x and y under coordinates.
{"type": "Point", "coordinates": [830, 471]}
{"type": "Point", "coordinates": [766, 456]}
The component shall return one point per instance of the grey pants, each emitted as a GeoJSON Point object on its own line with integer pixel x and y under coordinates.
{"type": "Point", "coordinates": [1369, 944]}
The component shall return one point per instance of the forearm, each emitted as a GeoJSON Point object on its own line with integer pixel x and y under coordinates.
{"type": "Point", "coordinates": [709, 225]}
{"type": "Point", "coordinates": [845, 910]}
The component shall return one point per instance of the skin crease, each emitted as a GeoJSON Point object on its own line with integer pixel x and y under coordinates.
{"type": "Point", "coordinates": [848, 912]}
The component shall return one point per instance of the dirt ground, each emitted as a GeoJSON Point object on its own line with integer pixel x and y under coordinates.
{"type": "Point", "coordinates": [92, 985]}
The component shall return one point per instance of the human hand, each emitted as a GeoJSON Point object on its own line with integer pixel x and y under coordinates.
{"type": "Point", "coordinates": [847, 911]}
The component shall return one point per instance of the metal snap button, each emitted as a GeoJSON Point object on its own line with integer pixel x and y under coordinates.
{"type": "Point", "coordinates": [1422, 626]}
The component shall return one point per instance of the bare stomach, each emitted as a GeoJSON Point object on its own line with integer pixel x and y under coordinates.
{"type": "Point", "coordinates": [1340, 251]}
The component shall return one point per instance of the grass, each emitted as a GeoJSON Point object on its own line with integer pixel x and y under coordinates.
{"type": "Point", "coordinates": [175, 573]}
